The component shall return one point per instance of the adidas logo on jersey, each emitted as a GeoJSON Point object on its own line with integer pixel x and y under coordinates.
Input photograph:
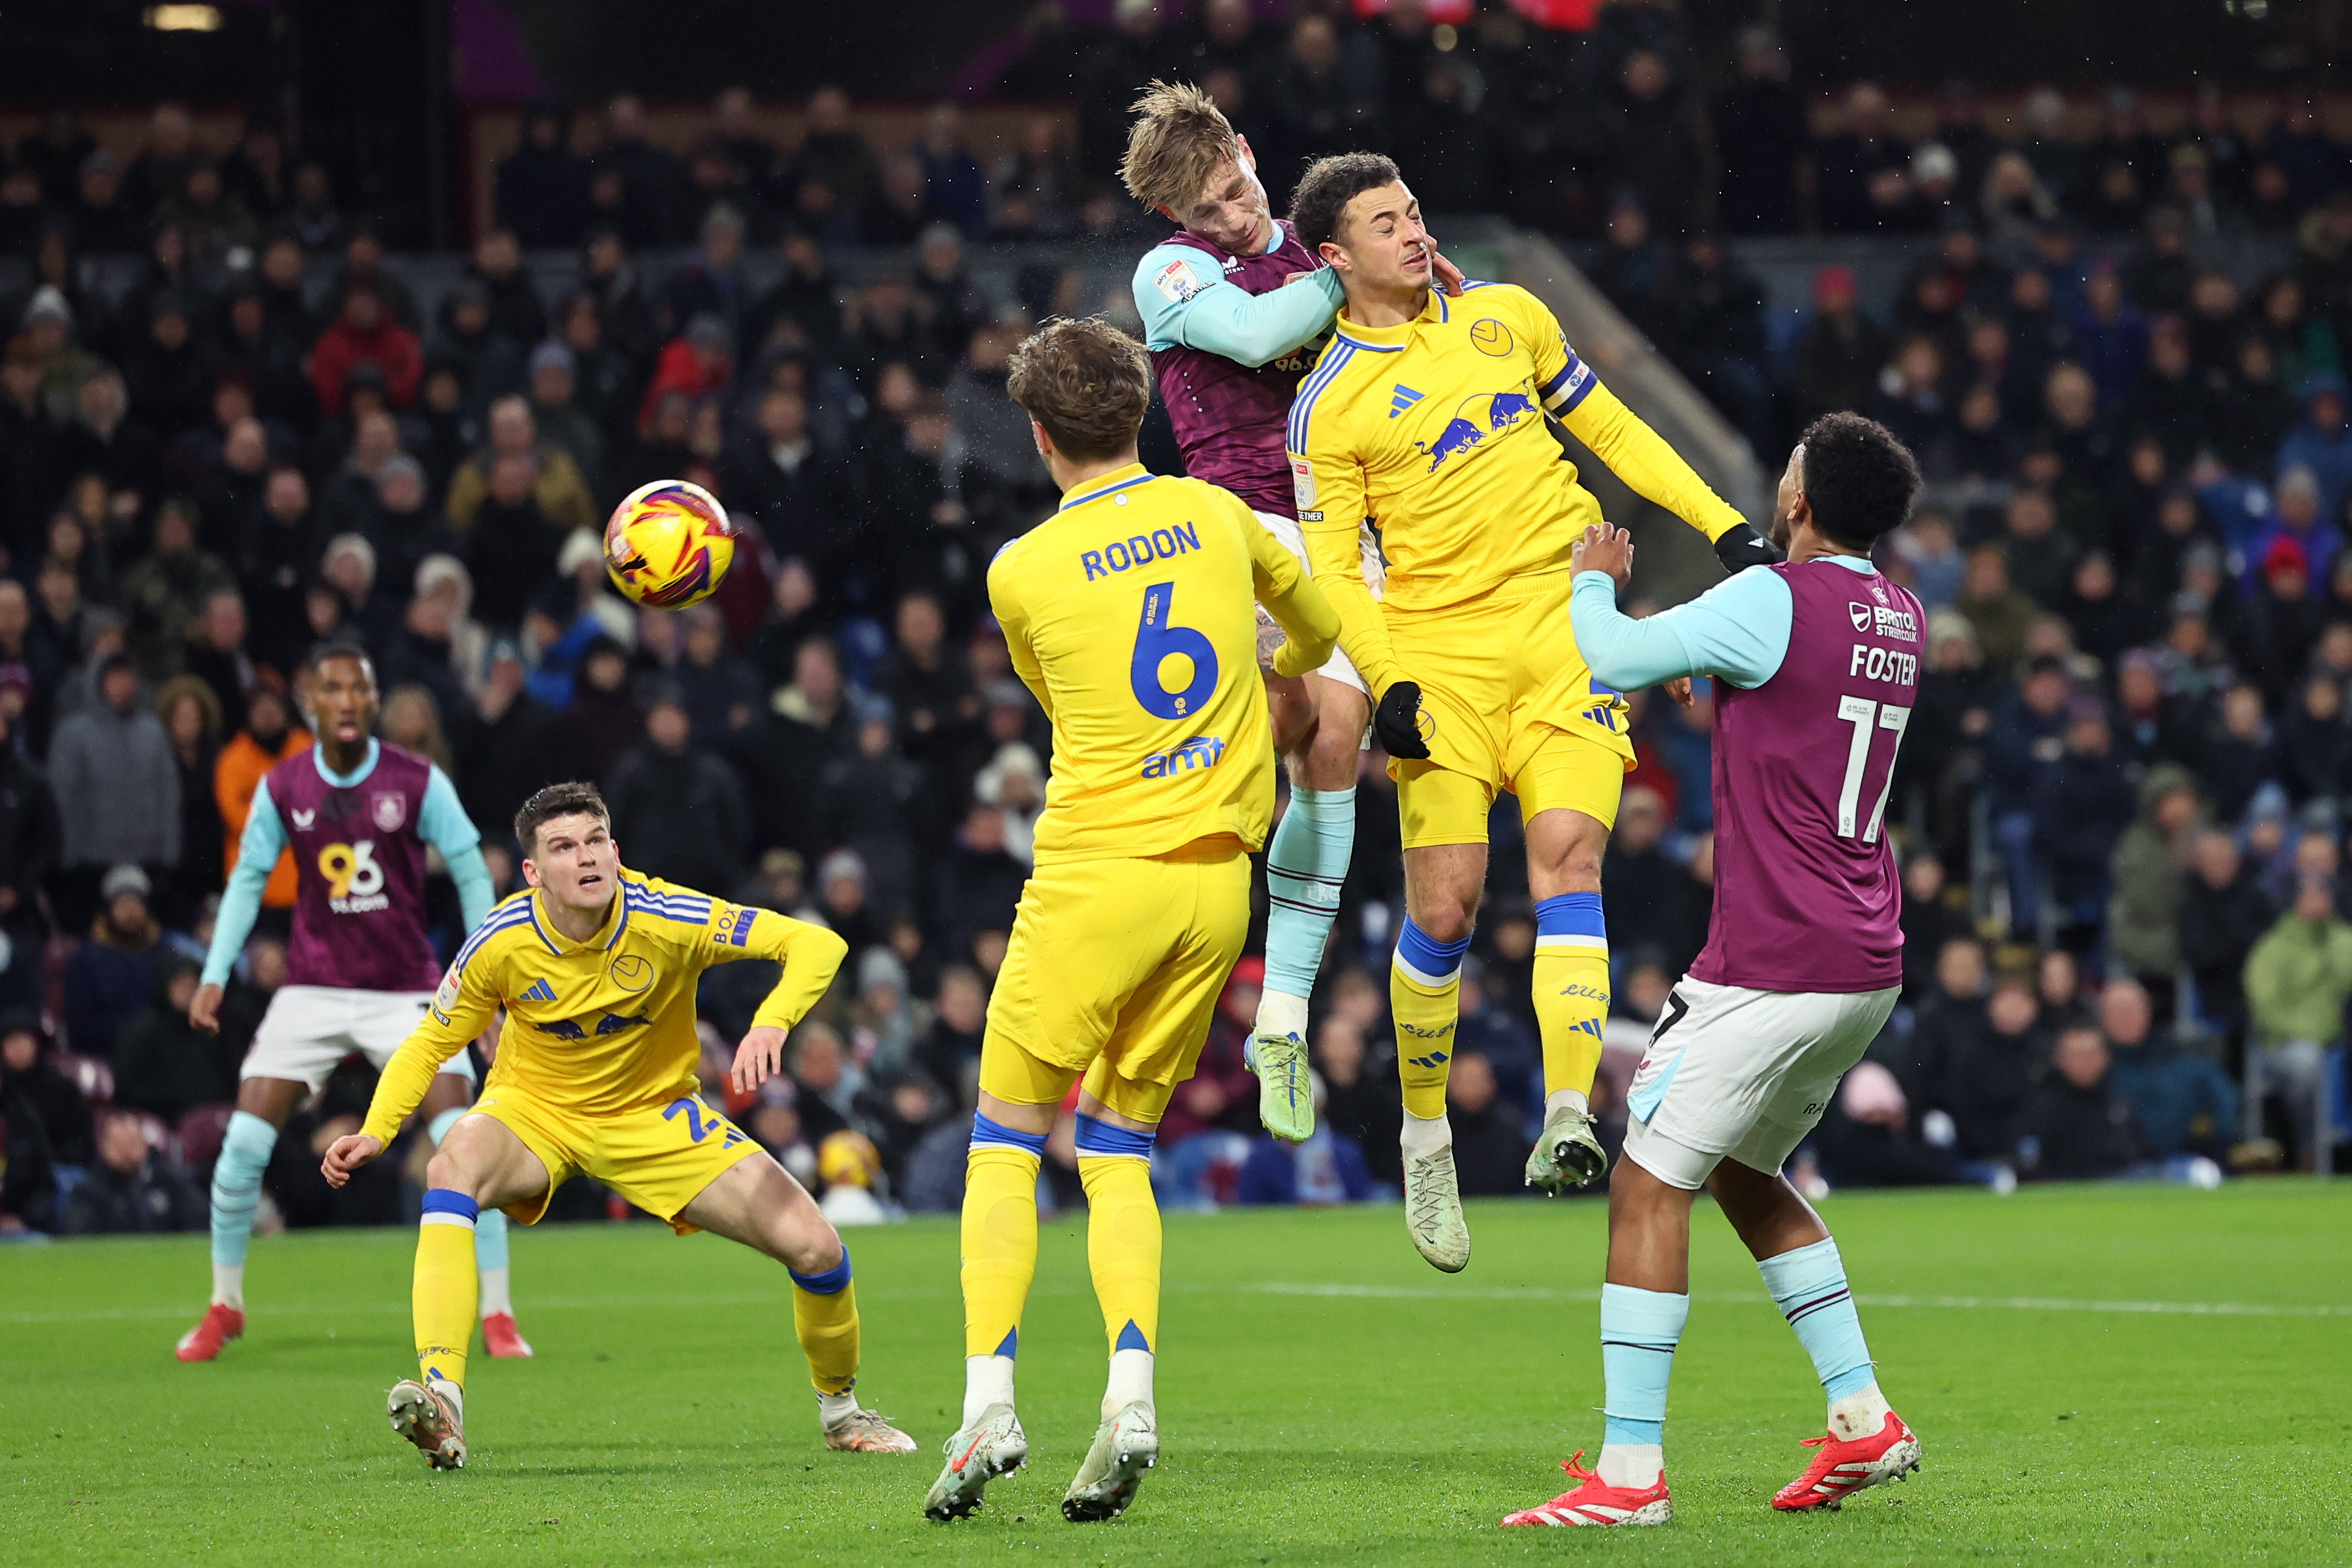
{"type": "Point", "coordinates": [541, 991]}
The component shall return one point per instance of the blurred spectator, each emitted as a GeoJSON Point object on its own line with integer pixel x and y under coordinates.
{"type": "Point", "coordinates": [2076, 1126]}
{"type": "Point", "coordinates": [46, 1123]}
{"type": "Point", "coordinates": [1490, 1135]}
{"type": "Point", "coordinates": [118, 787]}
{"type": "Point", "coordinates": [364, 334]}
{"type": "Point", "coordinates": [2297, 980]}
{"type": "Point", "coordinates": [1984, 1065]}
{"type": "Point", "coordinates": [132, 1189]}
{"type": "Point", "coordinates": [1760, 130]}
{"type": "Point", "coordinates": [679, 809]}
{"type": "Point", "coordinates": [164, 1064]}
{"type": "Point", "coordinates": [2181, 1102]}
{"type": "Point", "coordinates": [112, 977]}
{"type": "Point", "coordinates": [1329, 1168]}
{"type": "Point", "coordinates": [541, 188]}
{"type": "Point", "coordinates": [2144, 916]}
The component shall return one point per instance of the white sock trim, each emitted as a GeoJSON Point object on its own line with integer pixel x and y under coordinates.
{"type": "Point", "coordinates": [1425, 1134]}
{"type": "Point", "coordinates": [1636, 1465]}
{"type": "Point", "coordinates": [1279, 1014]}
{"type": "Point", "coordinates": [228, 1285]}
{"type": "Point", "coordinates": [1567, 1099]}
{"type": "Point", "coordinates": [494, 1293]}
{"type": "Point", "coordinates": [1130, 1381]}
{"type": "Point", "coordinates": [833, 1408]}
{"type": "Point", "coordinates": [987, 1380]}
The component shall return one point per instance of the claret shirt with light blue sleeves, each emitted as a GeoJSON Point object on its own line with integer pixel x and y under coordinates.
{"type": "Point", "coordinates": [1186, 302]}
{"type": "Point", "coordinates": [1736, 631]}
{"type": "Point", "coordinates": [441, 821]}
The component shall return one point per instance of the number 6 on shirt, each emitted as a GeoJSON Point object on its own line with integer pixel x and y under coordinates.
{"type": "Point", "coordinates": [1155, 640]}
{"type": "Point", "coordinates": [1859, 712]}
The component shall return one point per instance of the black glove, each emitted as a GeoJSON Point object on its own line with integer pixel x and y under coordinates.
{"type": "Point", "coordinates": [1742, 547]}
{"type": "Point", "coordinates": [1396, 722]}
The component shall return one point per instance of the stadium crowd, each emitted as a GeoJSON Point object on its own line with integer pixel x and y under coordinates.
{"type": "Point", "coordinates": [2120, 804]}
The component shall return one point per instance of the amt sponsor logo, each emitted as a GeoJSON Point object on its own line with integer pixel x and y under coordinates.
{"type": "Point", "coordinates": [1200, 752]}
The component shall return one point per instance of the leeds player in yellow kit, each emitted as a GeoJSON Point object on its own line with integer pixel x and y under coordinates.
{"type": "Point", "coordinates": [596, 970]}
{"type": "Point", "coordinates": [1425, 416]}
{"type": "Point", "coordinates": [1129, 614]}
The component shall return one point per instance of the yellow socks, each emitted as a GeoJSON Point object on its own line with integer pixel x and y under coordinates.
{"type": "Point", "coordinates": [824, 1317]}
{"type": "Point", "coordinates": [443, 1298]}
{"type": "Point", "coordinates": [1571, 990]}
{"type": "Point", "coordinates": [1122, 1231]}
{"type": "Point", "coordinates": [1123, 1254]}
{"type": "Point", "coordinates": [1425, 996]}
{"type": "Point", "coordinates": [1000, 1236]}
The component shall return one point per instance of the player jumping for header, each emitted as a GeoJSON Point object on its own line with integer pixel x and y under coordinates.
{"type": "Point", "coordinates": [1128, 614]}
{"type": "Point", "coordinates": [357, 816]}
{"type": "Point", "coordinates": [1817, 664]}
{"type": "Point", "coordinates": [596, 968]}
{"type": "Point", "coordinates": [1425, 417]}
{"type": "Point", "coordinates": [1232, 306]}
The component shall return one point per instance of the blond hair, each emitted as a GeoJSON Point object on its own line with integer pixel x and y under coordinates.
{"type": "Point", "coordinates": [1179, 140]}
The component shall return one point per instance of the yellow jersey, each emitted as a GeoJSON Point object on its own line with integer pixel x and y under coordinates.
{"type": "Point", "coordinates": [1432, 432]}
{"type": "Point", "coordinates": [607, 1024]}
{"type": "Point", "coordinates": [1129, 612]}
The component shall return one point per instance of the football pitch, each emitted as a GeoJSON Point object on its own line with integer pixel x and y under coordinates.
{"type": "Point", "coordinates": [2111, 1375]}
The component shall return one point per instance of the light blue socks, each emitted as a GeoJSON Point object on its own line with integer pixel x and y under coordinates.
{"type": "Point", "coordinates": [236, 1190]}
{"type": "Point", "coordinates": [1810, 1285]}
{"type": "Point", "coordinates": [1639, 1330]}
{"type": "Point", "coordinates": [1305, 862]}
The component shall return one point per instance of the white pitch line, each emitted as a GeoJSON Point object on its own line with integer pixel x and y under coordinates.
{"type": "Point", "coordinates": [1270, 1288]}
{"type": "Point", "coordinates": [1965, 1303]}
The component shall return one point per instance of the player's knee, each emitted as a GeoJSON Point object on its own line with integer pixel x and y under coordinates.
{"type": "Point", "coordinates": [1331, 756]}
{"type": "Point", "coordinates": [808, 1247]}
{"type": "Point", "coordinates": [1448, 920]}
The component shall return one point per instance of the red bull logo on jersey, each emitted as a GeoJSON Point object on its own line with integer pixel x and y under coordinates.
{"type": "Point", "coordinates": [1476, 417]}
{"type": "Point", "coordinates": [1200, 752]}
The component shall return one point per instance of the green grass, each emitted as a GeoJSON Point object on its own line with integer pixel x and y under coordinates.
{"type": "Point", "coordinates": [1325, 1397]}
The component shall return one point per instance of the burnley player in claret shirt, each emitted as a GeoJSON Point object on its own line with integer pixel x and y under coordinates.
{"type": "Point", "coordinates": [357, 816]}
{"type": "Point", "coordinates": [1233, 308]}
{"type": "Point", "coordinates": [1816, 664]}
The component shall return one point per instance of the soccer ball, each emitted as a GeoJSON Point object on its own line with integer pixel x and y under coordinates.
{"type": "Point", "coordinates": [668, 545]}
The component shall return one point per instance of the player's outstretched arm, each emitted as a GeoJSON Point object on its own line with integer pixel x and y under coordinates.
{"type": "Point", "coordinates": [1738, 630]}
{"type": "Point", "coordinates": [1185, 301]}
{"type": "Point", "coordinates": [1297, 605]}
{"type": "Point", "coordinates": [468, 999]}
{"type": "Point", "coordinates": [257, 848]}
{"type": "Point", "coordinates": [811, 956]}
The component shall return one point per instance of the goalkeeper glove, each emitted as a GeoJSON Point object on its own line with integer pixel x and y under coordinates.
{"type": "Point", "coordinates": [1742, 547]}
{"type": "Point", "coordinates": [1396, 723]}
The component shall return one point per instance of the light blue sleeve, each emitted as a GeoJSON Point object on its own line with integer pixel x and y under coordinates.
{"type": "Point", "coordinates": [446, 826]}
{"type": "Point", "coordinates": [1186, 302]}
{"type": "Point", "coordinates": [1736, 630]}
{"type": "Point", "coordinates": [257, 848]}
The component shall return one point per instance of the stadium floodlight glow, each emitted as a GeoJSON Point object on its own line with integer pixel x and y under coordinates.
{"type": "Point", "coordinates": [183, 18]}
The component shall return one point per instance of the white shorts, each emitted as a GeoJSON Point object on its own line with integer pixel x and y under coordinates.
{"type": "Point", "coordinates": [310, 1029]}
{"type": "Point", "coordinates": [1741, 1074]}
{"type": "Point", "coordinates": [1286, 528]}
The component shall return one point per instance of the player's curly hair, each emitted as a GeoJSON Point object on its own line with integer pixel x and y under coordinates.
{"type": "Point", "coordinates": [1086, 382]}
{"type": "Point", "coordinates": [573, 799]}
{"type": "Point", "coordinates": [1858, 478]}
{"type": "Point", "coordinates": [1327, 188]}
{"type": "Point", "coordinates": [1179, 143]}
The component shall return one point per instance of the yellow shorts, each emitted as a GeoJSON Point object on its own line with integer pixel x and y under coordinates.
{"type": "Point", "coordinates": [656, 1156]}
{"type": "Point", "coordinates": [1114, 970]}
{"type": "Point", "coordinates": [1506, 704]}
